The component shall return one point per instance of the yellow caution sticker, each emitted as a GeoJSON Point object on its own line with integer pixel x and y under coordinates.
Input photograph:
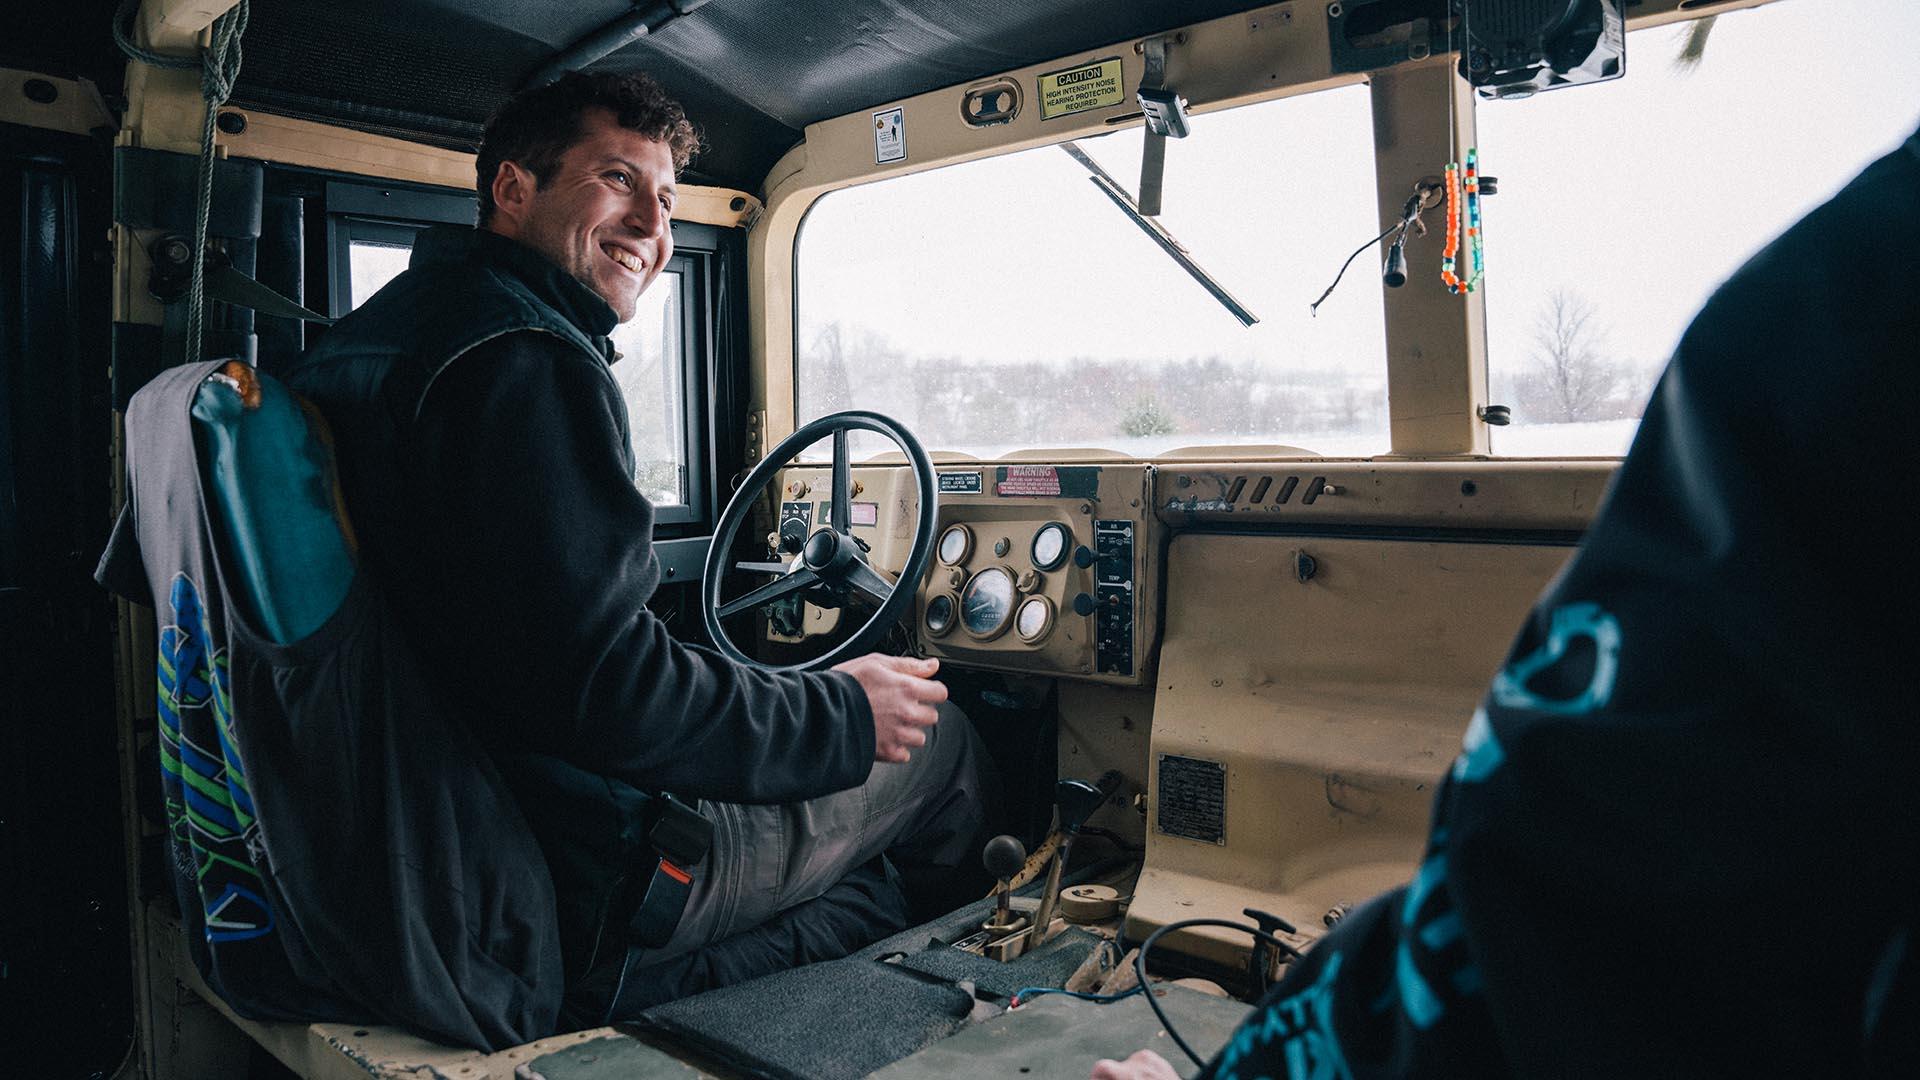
{"type": "Point", "coordinates": [1089, 86]}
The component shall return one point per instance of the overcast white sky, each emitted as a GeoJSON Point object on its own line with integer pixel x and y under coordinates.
{"type": "Point", "coordinates": [1642, 193]}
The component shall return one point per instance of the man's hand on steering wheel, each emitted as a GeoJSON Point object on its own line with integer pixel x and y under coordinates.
{"type": "Point", "coordinates": [903, 695]}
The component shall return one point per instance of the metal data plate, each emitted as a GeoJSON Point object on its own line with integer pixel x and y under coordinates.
{"type": "Point", "coordinates": [1192, 798]}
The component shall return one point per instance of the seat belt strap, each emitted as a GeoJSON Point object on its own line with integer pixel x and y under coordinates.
{"type": "Point", "coordinates": [231, 287]}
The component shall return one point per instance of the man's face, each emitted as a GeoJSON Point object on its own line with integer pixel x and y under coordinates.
{"type": "Point", "coordinates": [602, 215]}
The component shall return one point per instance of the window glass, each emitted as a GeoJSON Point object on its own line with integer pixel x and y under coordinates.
{"type": "Point", "coordinates": [1623, 205]}
{"type": "Point", "coordinates": [651, 372]}
{"type": "Point", "coordinates": [371, 265]}
{"type": "Point", "coordinates": [1007, 303]}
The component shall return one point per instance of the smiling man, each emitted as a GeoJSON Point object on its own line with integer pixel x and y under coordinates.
{"type": "Point", "coordinates": [484, 454]}
{"type": "Point", "coordinates": [598, 208]}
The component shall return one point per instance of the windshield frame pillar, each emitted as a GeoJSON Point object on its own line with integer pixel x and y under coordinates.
{"type": "Point", "coordinates": [1436, 341]}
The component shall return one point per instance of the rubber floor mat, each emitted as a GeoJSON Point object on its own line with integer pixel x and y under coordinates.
{"type": "Point", "coordinates": [834, 1021]}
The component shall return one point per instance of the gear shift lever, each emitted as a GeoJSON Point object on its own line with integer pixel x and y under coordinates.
{"type": "Point", "coordinates": [1075, 801]}
{"type": "Point", "coordinates": [1003, 858]}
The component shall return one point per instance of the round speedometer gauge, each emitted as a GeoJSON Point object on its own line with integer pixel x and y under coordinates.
{"type": "Point", "coordinates": [986, 605]}
{"type": "Point", "coordinates": [1050, 545]}
{"type": "Point", "coordinates": [956, 544]}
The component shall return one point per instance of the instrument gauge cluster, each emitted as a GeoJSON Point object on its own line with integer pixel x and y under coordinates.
{"type": "Point", "coordinates": [1033, 586]}
{"type": "Point", "coordinates": [987, 601]}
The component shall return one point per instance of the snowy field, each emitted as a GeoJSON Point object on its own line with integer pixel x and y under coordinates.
{"type": "Point", "coordinates": [1598, 438]}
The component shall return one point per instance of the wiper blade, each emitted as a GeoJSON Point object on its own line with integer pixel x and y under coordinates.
{"type": "Point", "coordinates": [1159, 234]}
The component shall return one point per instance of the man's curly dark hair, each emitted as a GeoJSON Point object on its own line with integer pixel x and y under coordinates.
{"type": "Point", "coordinates": [535, 128]}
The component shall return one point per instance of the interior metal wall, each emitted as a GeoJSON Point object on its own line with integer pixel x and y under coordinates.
{"type": "Point", "coordinates": [63, 935]}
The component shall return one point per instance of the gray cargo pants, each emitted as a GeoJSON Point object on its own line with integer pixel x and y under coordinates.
{"type": "Point", "coordinates": [930, 811]}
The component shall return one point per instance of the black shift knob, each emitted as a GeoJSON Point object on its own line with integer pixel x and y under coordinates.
{"type": "Point", "coordinates": [1077, 800]}
{"type": "Point", "coordinates": [1004, 857]}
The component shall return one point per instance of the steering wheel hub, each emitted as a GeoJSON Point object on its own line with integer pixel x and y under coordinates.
{"type": "Point", "coordinates": [823, 550]}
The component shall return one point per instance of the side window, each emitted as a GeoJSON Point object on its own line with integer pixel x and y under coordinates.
{"type": "Point", "coordinates": [656, 350]}
{"type": "Point", "coordinates": [376, 253]}
{"type": "Point", "coordinates": [370, 231]}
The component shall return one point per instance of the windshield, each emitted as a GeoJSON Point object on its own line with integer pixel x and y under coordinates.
{"type": "Point", "coordinates": [1007, 304]}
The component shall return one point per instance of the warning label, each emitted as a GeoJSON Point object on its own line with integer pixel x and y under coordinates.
{"type": "Point", "coordinates": [1029, 480]}
{"type": "Point", "coordinates": [1089, 86]}
{"type": "Point", "coordinates": [889, 136]}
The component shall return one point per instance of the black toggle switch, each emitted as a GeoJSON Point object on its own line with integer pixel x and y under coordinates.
{"type": "Point", "coordinates": [1083, 556]}
{"type": "Point", "coordinates": [1083, 604]}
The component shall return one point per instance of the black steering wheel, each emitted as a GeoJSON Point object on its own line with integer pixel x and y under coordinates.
{"type": "Point", "coordinates": [831, 563]}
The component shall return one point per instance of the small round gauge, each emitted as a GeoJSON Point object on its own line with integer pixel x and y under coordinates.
{"type": "Point", "coordinates": [956, 544]}
{"type": "Point", "coordinates": [1035, 619]}
{"type": "Point", "coordinates": [940, 614]}
{"type": "Point", "coordinates": [986, 606]}
{"type": "Point", "coordinates": [1050, 545]}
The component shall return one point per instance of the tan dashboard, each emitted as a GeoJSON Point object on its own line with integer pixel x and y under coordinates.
{"type": "Point", "coordinates": [1046, 569]}
{"type": "Point", "coordinates": [1057, 569]}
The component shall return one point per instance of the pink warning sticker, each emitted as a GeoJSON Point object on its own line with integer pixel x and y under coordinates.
{"type": "Point", "coordinates": [1029, 480]}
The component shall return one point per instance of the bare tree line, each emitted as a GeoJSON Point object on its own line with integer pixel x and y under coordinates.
{"type": "Point", "coordinates": [1081, 400]}
{"type": "Point", "coordinates": [1571, 375]}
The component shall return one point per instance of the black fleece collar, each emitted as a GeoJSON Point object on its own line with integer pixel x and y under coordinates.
{"type": "Point", "coordinates": [566, 294]}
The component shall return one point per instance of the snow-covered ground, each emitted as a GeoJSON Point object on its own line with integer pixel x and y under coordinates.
{"type": "Point", "coordinates": [1597, 438]}
{"type": "Point", "coordinates": [1592, 438]}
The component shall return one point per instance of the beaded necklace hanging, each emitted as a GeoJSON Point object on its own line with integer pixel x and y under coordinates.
{"type": "Point", "coordinates": [1475, 241]}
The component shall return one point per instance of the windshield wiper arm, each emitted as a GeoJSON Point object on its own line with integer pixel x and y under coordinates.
{"type": "Point", "coordinates": [1159, 234]}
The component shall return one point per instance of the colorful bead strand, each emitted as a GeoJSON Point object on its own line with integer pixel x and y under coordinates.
{"type": "Point", "coordinates": [1453, 230]}
{"type": "Point", "coordinates": [1475, 240]}
{"type": "Point", "coordinates": [1475, 235]}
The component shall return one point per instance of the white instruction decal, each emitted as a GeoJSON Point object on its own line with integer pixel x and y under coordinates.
{"type": "Point", "coordinates": [889, 136]}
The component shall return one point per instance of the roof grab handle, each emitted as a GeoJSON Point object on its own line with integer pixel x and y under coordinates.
{"type": "Point", "coordinates": [644, 19]}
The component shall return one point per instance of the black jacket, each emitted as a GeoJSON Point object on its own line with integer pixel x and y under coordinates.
{"type": "Point", "coordinates": [485, 456]}
{"type": "Point", "coordinates": [483, 448]}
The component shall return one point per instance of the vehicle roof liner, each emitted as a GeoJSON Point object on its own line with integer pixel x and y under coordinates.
{"type": "Point", "coordinates": [752, 73]}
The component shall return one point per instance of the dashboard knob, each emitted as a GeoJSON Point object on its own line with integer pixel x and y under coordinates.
{"type": "Point", "coordinates": [1083, 604]}
{"type": "Point", "coordinates": [1083, 556]}
{"type": "Point", "coordinates": [793, 535]}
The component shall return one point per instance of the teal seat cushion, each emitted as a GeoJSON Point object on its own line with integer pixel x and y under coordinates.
{"type": "Point", "coordinates": [267, 466]}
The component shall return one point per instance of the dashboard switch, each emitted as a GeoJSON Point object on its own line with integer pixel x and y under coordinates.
{"type": "Point", "coordinates": [1083, 557]}
{"type": "Point", "coordinates": [1083, 603]}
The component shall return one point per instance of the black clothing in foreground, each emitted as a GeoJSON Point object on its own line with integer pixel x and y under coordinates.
{"type": "Point", "coordinates": [1684, 836]}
